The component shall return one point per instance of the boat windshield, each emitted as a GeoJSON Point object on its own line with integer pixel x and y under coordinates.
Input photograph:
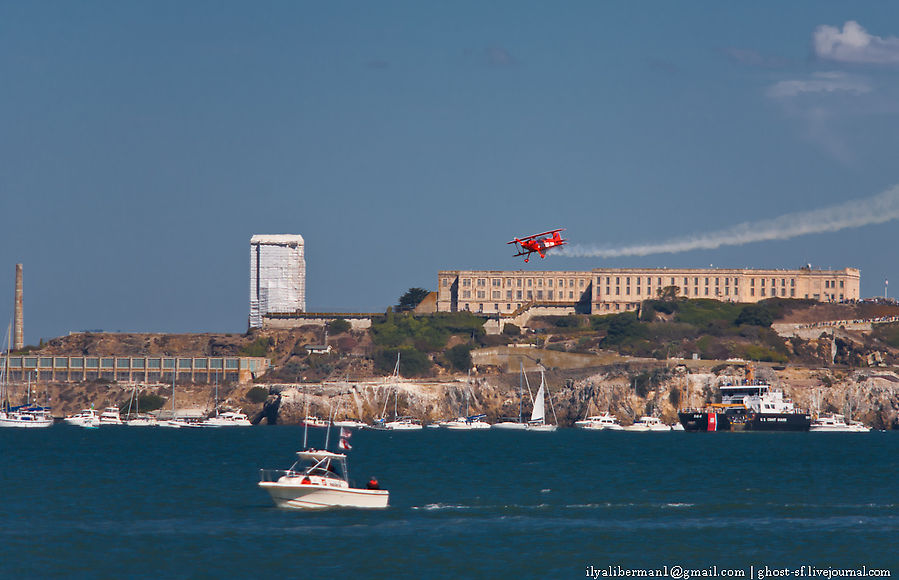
{"type": "Point", "coordinates": [332, 467]}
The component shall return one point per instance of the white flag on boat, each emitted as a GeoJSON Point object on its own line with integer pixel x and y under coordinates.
{"type": "Point", "coordinates": [345, 433]}
{"type": "Point", "coordinates": [344, 444]}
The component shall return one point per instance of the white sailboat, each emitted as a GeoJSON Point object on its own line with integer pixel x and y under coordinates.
{"type": "Point", "coordinates": [466, 422]}
{"type": "Point", "coordinates": [24, 416]}
{"type": "Point", "coordinates": [174, 423]}
{"type": "Point", "coordinates": [538, 414]}
{"type": "Point", "coordinates": [516, 423]}
{"type": "Point", "coordinates": [225, 418]}
{"type": "Point", "coordinates": [138, 420]}
{"type": "Point", "coordinates": [398, 423]}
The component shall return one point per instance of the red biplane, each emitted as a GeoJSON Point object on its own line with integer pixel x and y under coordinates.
{"type": "Point", "coordinates": [538, 243]}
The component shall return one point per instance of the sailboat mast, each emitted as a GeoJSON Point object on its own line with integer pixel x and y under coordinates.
{"type": "Point", "coordinates": [328, 431]}
{"type": "Point", "coordinates": [396, 389]}
{"type": "Point", "coordinates": [520, 391]}
{"type": "Point", "coordinates": [305, 418]}
{"type": "Point", "coordinates": [4, 375]}
{"type": "Point", "coordinates": [174, 371]}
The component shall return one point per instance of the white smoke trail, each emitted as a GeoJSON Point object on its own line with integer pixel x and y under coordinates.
{"type": "Point", "coordinates": [878, 209]}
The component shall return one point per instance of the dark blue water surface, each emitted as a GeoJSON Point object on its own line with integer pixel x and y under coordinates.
{"type": "Point", "coordinates": [136, 502]}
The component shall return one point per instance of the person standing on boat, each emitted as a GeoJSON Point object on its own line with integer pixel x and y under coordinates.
{"type": "Point", "coordinates": [373, 484]}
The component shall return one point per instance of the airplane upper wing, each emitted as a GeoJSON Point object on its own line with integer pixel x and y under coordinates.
{"type": "Point", "coordinates": [531, 237]}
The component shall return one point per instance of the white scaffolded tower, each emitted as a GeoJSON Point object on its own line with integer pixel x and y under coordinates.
{"type": "Point", "coordinates": [277, 275]}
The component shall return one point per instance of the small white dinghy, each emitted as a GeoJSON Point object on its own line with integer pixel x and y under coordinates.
{"type": "Point", "coordinates": [319, 479]}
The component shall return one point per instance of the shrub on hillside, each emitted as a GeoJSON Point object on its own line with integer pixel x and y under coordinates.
{"type": "Point", "coordinates": [413, 363]}
{"type": "Point", "coordinates": [257, 395]}
{"type": "Point", "coordinates": [459, 357]}
{"type": "Point", "coordinates": [339, 326]}
{"type": "Point", "coordinates": [570, 321]}
{"type": "Point", "coordinates": [146, 402]}
{"type": "Point", "coordinates": [510, 329]}
{"type": "Point", "coordinates": [755, 315]}
{"type": "Point", "coordinates": [427, 332]}
{"type": "Point", "coordinates": [259, 347]}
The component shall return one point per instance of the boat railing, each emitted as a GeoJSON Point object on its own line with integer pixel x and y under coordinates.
{"type": "Point", "coordinates": [273, 475]}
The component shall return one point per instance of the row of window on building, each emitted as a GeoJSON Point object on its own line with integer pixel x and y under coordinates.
{"type": "Point", "coordinates": [520, 282]}
{"type": "Point", "coordinates": [61, 362]}
{"type": "Point", "coordinates": [122, 375]}
{"type": "Point", "coordinates": [522, 295]}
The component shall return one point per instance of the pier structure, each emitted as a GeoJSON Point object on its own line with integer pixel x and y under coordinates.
{"type": "Point", "coordinates": [131, 369]}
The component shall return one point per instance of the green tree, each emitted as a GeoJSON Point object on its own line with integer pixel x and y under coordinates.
{"type": "Point", "coordinates": [412, 298]}
{"type": "Point", "coordinates": [146, 402]}
{"type": "Point", "coordinates": [413, 363]}
{"type": "Point", "coordinates": [510, 329]}
{"type": "Point", "coordinates": [669, 293]}
{"type": "Point", "coordinates": [755, 315]}
{"type": "Point", "coordinates": [459, 357]}
{"type": "Point", "coordinates": [257, 395]}
{"type": "Point", "coordinates": [339, 326]}
{"type": "Point", "coordinates": [258, 347]}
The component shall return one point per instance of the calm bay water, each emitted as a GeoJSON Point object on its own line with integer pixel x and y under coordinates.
{"type": "Point", "coordinates": [137, 502]}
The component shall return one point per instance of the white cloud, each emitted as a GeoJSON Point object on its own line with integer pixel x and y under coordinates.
{"type": "Point", "coordinates": [825, 82]}
{"type": "Point", "coordinates": [854, 45]}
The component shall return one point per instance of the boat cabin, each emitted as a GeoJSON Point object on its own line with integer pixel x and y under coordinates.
{"type": "Point", "coordinates": [320, 467]}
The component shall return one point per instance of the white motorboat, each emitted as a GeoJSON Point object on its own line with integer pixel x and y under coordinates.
{"type": "Point", "coordinates": [228, 419]}
{"type": "Point", "coordinates": [604, 422]}
{"type": "Point", "coordinates": [350, 423]}
{"type": "Point", "coordinates": [110, 416]}
{"type": "Point", "coordinates": [312, 421]}
{"type": "Point", "coordinates": [648, 423]}
{"type": "Point", "coordinates": [181, 423]}
{"type": "Point", "coordinates": [402, 424]}
{"type": "Point", "coordinates": [471, 423]}
{"type": "Point", "coordinates": [319, 479]}
{"type": "Point", "coordinates": [88, 418]}
{"type": "Point", "coordinates": [27, 416]}
{"type": "Point", "coordinates": [835, 423]}
{"type": "Point", "coordinates": [510, 425]}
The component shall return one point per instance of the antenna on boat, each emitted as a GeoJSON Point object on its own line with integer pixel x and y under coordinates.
{"type": "Point", "coordinates": [328, 432]}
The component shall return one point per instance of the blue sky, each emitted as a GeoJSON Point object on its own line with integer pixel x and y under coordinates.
{"type": "Point", "coordinates": [143, 143]}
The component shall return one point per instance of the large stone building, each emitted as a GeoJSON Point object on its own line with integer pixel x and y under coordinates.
{"type": "Point", "coordinates": [607, 290]}
{"type": "Point", "coordinates": [277, 276]}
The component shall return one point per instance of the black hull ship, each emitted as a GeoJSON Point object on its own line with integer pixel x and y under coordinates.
{"type": "Point", "coordinates": [748, 405]}
{"type": "Point", "coordinates": [724, 421]}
